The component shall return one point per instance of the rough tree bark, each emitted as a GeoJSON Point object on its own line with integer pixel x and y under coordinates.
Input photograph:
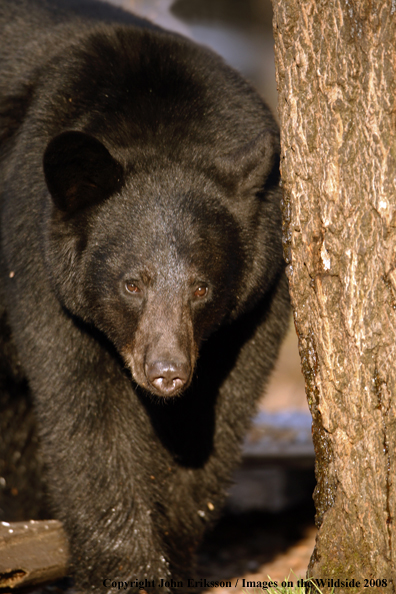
{"type": "Point", "coordinates": [336, 75]}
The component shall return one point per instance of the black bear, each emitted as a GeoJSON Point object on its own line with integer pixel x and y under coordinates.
{"type": "Point", "coordinates": [142, 295]}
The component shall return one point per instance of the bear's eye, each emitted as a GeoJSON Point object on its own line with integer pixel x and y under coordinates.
{"type": "Point", "coordinates": [201, 291]}
{"type": "Point", "coordinates": [132, 287]}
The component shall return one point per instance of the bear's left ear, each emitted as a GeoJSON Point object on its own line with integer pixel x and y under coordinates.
{"type": "Point", "coordinates": [249, 166]}
{"type": "Point", "coordinates": [79, 171]}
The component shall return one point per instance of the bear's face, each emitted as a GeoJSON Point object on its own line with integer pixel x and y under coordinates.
{"type": "Point", "coordinates": [153, 261]}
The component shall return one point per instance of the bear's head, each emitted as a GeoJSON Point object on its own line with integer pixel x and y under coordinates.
{"type": "Point", "coordinates": [158, 253]}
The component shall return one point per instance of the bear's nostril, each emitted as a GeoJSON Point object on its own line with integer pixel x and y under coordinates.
{"type": "Point", "coordinates": [167, 377]}
{"type": "Point", "coordinates": [167, 386]}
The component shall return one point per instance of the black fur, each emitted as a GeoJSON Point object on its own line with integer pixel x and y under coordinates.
{"type": "Point", "coordinates": [143, 296]}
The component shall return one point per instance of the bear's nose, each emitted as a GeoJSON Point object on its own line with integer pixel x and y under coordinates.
{"type": "Point", "coordinates": [168, 378]}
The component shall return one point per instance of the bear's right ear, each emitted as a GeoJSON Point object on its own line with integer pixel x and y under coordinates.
{"type": "Point", "coordinates": [80, 171]}
{"type": "Point", "coordinates": [249, 166]}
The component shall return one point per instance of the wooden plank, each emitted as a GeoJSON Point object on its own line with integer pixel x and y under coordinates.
{"type": "Point", "coordinates": [32, 552]}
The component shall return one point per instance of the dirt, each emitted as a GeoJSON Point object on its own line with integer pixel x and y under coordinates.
{"type": "Point", "coordinates": [258, 546]}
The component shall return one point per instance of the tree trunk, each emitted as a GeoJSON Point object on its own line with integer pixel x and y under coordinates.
{"type": "Point", "coordinates": [336, 63]}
